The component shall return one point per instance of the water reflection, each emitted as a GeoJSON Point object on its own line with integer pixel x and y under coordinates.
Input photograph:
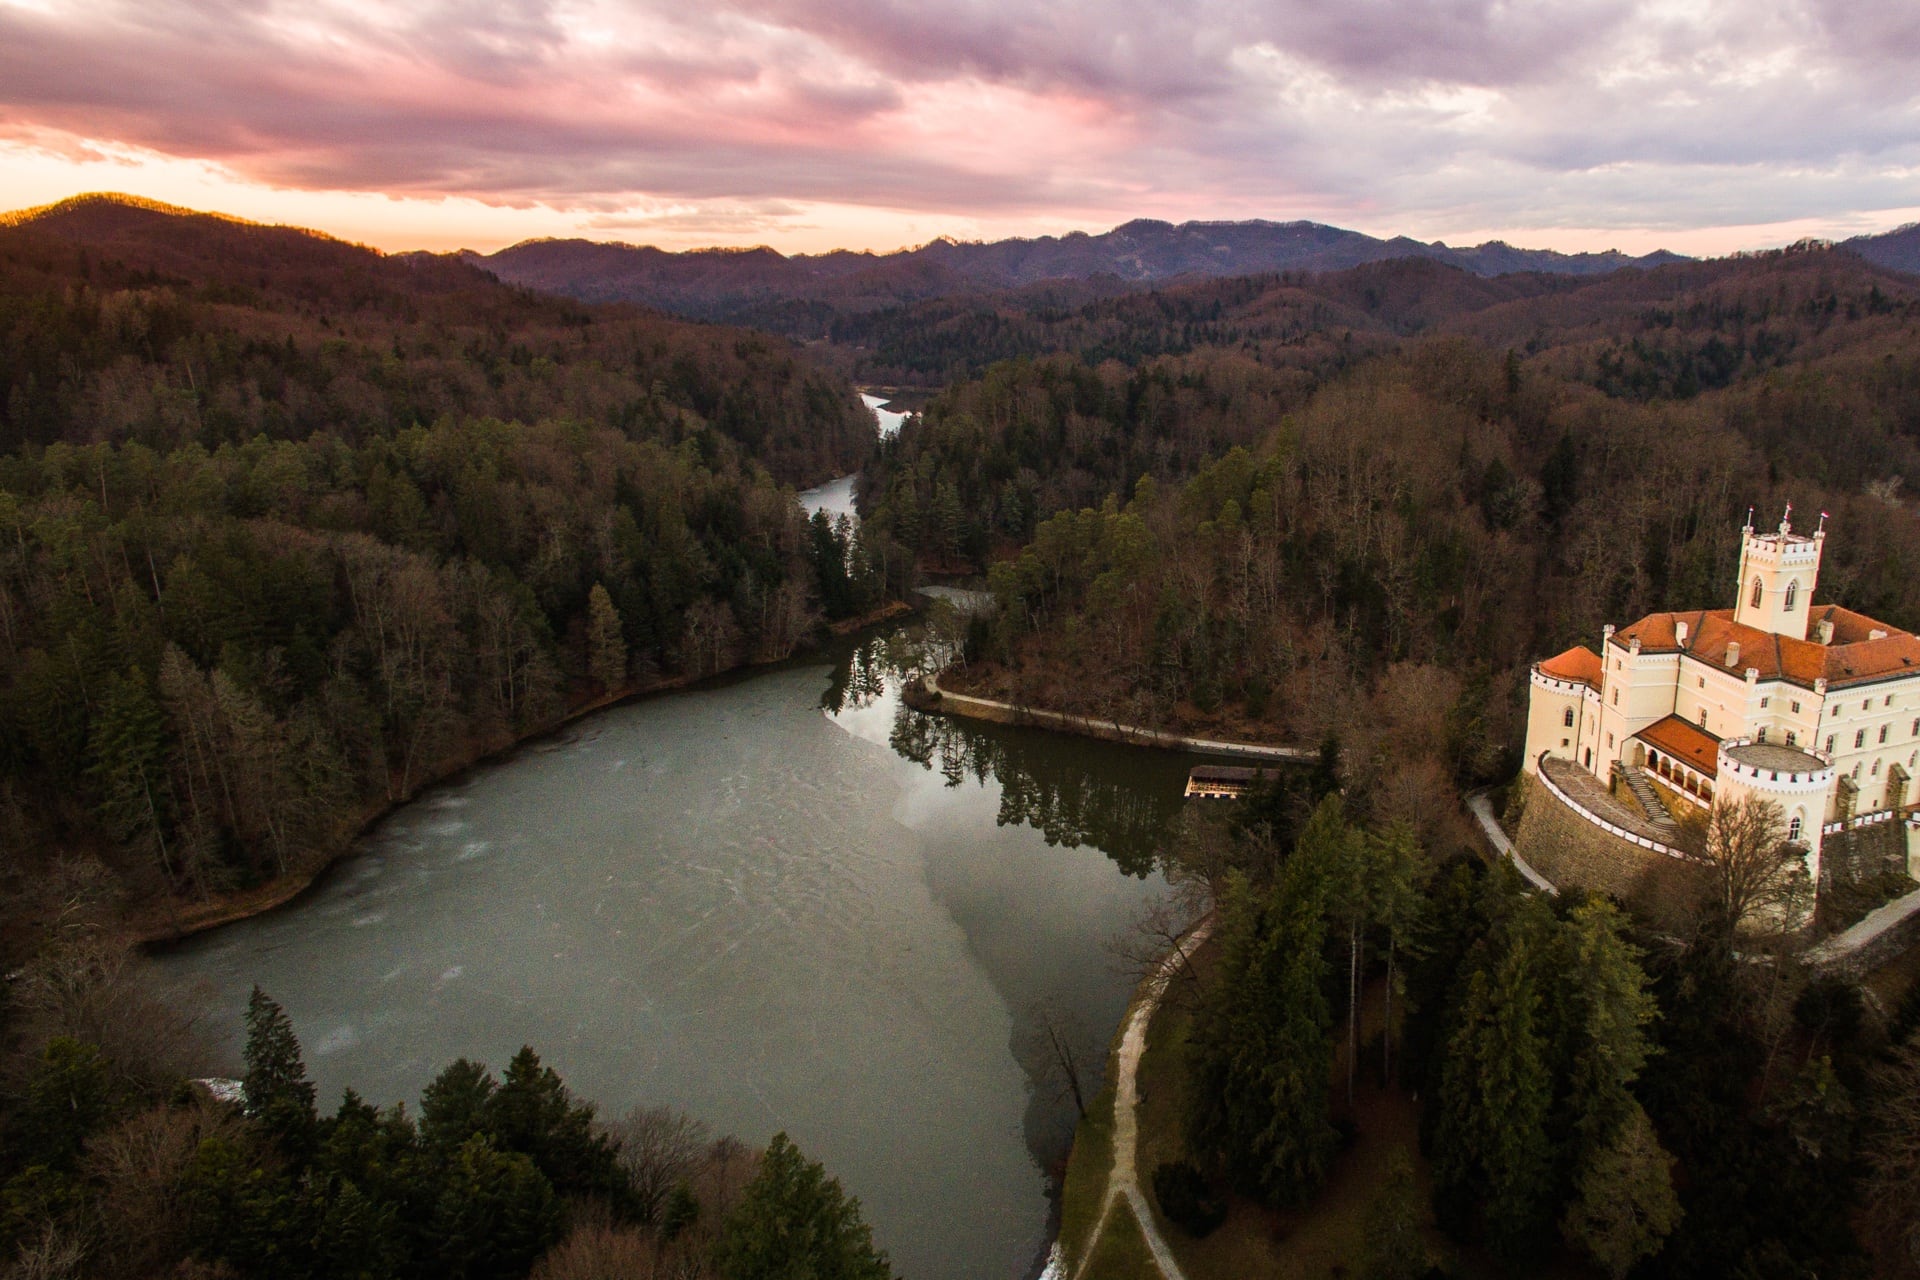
{"type": "Point", "coordinates": [1122, 800]}
{"type": "Point", "coordinates": [771, 908]}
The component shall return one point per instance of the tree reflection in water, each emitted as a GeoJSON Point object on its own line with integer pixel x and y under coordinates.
{"type": "Point", "coordinates": [1074, 791]}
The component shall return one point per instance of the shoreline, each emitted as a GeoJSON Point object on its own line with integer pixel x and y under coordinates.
{"type": "Point", "coordinates": [177, 921]}
{"type": "Point", "coordinates": [927, 695]}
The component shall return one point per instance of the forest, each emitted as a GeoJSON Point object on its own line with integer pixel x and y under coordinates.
{"type": "Point", "coordinates": [1359, 537]}
{"type": "Point", "coordinates": [290, 528]}
{"type": "Point", "coordinates": [1288, 548]}
{"type": "Point", "coordinates": [1651, 1104]}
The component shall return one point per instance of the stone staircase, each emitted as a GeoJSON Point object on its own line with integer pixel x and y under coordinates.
{"type": "Point", "coordinates": [1650, 802]}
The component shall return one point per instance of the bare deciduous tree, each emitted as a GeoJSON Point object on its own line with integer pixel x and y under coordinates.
{"type": "Point", "coordinates": [1157, 935]}
{"type": "Point", "coordinates": [1047, 1048]}
{"type": "Point", "coordinates": [92, 990]}
{"type": "Point", "coordinates": [1750, 869]}
{"type": "Point", "coordinates": [660, 1148]}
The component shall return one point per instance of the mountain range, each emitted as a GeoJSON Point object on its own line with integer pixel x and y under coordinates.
{"type": "Point", "coordinates": [796, 293]}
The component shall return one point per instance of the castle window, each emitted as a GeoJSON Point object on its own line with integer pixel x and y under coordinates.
{"type": "Point", "coordinates": [1888, 701]}
{"type": "Point", "coordinates": [1793, 828]}
{"type": "Point", "coordinates": [1916, 728]}
{"type": "Point", "coordinates": [1793, 592]}
{"type": "Point", "coordinates": [1609, 742]}
{"type": "Point", "coordinates": [1875, 771]}
{"type": "Point", "coordinates": [1758, 592]}
{"type": "Point", "coordinates": [1565, 743]}
{"type": "Point", "coordinates": [1589, 757]}
{"type": "Point", "coordinates": [1793, 739]}
{"type": "Point", "coordinates": [1829, 744]}
{"type": "Point", "coordinates": [1859, 738]}
{"type": "Point", "coordinates": [1703, 682]}
{"type": "Point", "coordinates": [1765, 703]}
{"type": "Point", "coordinates": [1566, 718]}
{"type": "Point", "coordinates": [1883, 733]}
{"type": "Point", "coordinates": [1761, 734]}
{"type": "Point", "coordinates": [1866, 704]}
{"type": "Point", "coordinates": [1616, 697]}
{"type": "Point", "coordinates": [1796, 708]}
{"type": "Point", "coordinates": [1703, 717]}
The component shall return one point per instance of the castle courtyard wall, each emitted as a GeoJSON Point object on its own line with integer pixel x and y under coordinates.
{"type": "Point", "coordinates": [1570, 851]}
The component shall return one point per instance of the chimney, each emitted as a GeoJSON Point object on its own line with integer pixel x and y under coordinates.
{"type": "Point", "coordinates": [1680, 634]}
{"type": "Point", "coordinates": [1824, 631]}
{"type": "Point", "coordinates": [1733, 654]}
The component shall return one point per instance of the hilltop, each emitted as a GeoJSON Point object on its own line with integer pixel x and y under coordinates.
{"type": "Point", "coordinates": [796, 294]}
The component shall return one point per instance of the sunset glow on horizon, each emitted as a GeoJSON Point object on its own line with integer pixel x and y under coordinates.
{"type": "Point", "coordinates": [809, 125]}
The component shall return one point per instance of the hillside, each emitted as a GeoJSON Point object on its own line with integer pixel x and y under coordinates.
{"type": "Point", "coordinates": [1897, 250]}
{"type": "Point", "coordinates": [800, 294]}
{"type": "Point", "coordinates": [123, 319]}
{"type": "Point", "coordinates": [292, 528]}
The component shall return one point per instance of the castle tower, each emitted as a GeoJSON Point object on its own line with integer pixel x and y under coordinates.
{"type": "Point", "coordinates": [1777, 574]}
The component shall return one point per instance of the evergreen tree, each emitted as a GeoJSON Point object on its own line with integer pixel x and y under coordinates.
{"type": "Point", "coordinates": [495, 1214]}
{"type": "Point", "coordinates": [1396, 866]}
{"type": "Point", "coordinates": [606, 641]}
{"type": "Point", "coordinates": [453, 1106]}
{"type": "Point", "coordinates": [1261, 1043]}
{"type": "Point", "coordinates": [1491, 1148]}
{"type": "Point", "coordinates": [276, 1090]}
{"type": "Point", "coordinates": [533, 1113]}
{"type": "Point", "coordinates": [795, 1223]}
{"type": "Point", "coordinates": [129, 753]}
{"type": "Point", "coordinates": [1625, 1207]}
{"type": "Point", "coordinates": [69, 1096]}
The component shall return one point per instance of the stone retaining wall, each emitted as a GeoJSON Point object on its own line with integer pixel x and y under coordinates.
{"type": "Point", "coordinates": [1571, 851]}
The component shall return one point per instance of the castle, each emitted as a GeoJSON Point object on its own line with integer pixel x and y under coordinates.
{"type": "Point", "coordinates": [1813, 707]}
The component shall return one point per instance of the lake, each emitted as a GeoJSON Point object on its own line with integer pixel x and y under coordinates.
{"type": "Point", "coordinates": [782, 902]}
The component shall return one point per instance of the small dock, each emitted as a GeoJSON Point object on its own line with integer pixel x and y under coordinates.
{"type": "Point", "coordinates": [1223, 781]}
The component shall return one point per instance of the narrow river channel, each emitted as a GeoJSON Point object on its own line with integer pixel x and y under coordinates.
{"type": "Point", "coordinates": [786, 902]}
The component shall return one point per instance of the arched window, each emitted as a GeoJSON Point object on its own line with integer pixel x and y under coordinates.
{"type": "Point", "coordinates": [1793, 593]}
{"type": "Point", "coordinates": [1793, 829]}
{"type": "Point", "coordinates": [1758, 592]}
{"type": "Point", "coordinates": [1567, 718]}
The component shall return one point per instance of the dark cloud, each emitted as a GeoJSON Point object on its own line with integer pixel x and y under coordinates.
{"type": "Point", "coordinates": [1465, 106]}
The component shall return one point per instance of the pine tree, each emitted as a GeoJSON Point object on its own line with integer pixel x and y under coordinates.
{"type": "Point", "coordinates": [129, 765]}
{"type": "Point", "coordinates": [276, 1090]}
{"type": "Point", "coordinates": [606, 641]}
{"type": "Point", "coordinates": [1625, 1206]}
{"type": "Point", "coordinates": [1491, 1147]}
{"type": "Point", "coordinates": [1262, 1041]}
{"type": "Point", "coordinates": [794, 1221]}
{"type": "Point", "coordinates": [1396, 866]}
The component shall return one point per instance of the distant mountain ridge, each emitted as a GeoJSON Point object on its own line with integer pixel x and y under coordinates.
{"type": "Point", "coordinates": [1896, 250]}
{"type": "Point", "coordinates": [756, 285]}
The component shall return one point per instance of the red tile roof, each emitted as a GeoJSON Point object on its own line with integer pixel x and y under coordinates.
{"type": "Point", "coordinates": [1578, 664]}
{"type": "Point", "coordinates": [1851, 659]}
{"type": "Point", "coordinates": [1684, 741]}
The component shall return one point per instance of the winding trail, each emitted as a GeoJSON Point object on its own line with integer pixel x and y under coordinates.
{"type": "Point", "coordinates": [1482, 810]}
{"type": "Point", "coordinates": [1124, 1178]}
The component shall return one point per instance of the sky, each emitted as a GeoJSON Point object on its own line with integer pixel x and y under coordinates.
{"type": "Point", "coordinates": [1701, 126]}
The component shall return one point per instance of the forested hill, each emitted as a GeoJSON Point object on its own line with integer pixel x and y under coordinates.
{"type": "Point", "coordinates": [802, 294]}
{"type": "Point", "coordinates": [124, 319]}
{"type": "Point", "coordinates": [289, 527]}
{"type": "Point", "coordinates": [1371, 529]}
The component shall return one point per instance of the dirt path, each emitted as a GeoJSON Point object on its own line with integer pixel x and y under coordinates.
{"type": "Point", "coordinates": [1124, 1178]}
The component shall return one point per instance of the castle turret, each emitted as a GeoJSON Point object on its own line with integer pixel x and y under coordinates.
{"type": "Point", "coordinates": [1777, 574]}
